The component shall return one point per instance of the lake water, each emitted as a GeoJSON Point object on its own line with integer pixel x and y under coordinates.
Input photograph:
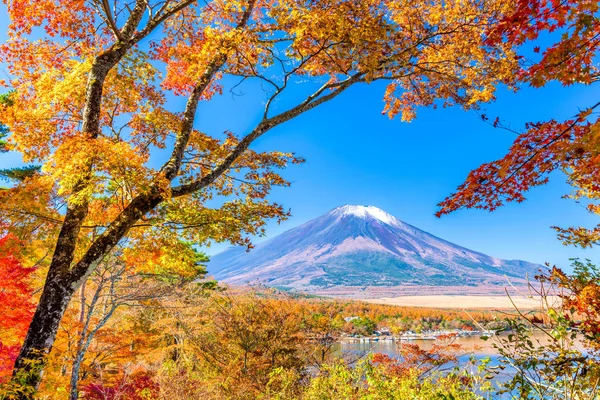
{"type": "Point", "coordinates": [473, 346]}
{"type": "Point", "coordinates": [480, 347]}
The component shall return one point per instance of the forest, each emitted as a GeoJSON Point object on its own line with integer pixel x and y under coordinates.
{"type": "Point", "coordinates": [103, 288]}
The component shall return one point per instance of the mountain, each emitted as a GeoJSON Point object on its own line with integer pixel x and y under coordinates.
{"type": "Point", "coordinates": [362, 246]}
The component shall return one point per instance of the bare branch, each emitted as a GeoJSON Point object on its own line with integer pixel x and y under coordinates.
{"type": "Point", "coordinates": [264, 126]}
{"type": "Point", "coordinates": [110, 20]}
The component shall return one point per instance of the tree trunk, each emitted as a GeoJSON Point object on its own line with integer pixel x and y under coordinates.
{"type": "Point", "coordinates": [83, 342]}
{"type": "Point", "coordinates": [62, 282]}
{"type": "Point", "coordinates": [74, 395]}
{"type": "Point", "coordinates": [42, 332]}
{"type": "Point", "coordinates": [85, 339]}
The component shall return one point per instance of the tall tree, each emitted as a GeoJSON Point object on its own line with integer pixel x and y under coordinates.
{"type": "Point", "coordinates": [90, 80]}
{"type": "Point", "coordinates": [570, 146]}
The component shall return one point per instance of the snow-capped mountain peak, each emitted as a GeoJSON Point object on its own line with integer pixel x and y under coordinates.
{"type": "Point", "coordinates": [359, 246]}
{"type": "Point", "coordinates": [364, 211]}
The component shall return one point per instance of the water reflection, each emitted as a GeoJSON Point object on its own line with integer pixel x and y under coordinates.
{"type": "Point", "coordinates": [472, 347]}
{"type": "Point", "coordinates": [475, 345]}
{"type": "Point", "coordinates": [480, 347]}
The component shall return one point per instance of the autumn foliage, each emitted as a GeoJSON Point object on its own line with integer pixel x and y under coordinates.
{"type": "Point", "coordinates": [16, 305]}
{"type": "Point", "coordinates": [570, 59]}
{"type": "Point", "coordinates": [103, 97]}
{"type": "Point", "coordinates": [543, 147]}
{"type": "Point", "coordinates": [247, 344]}
{"type": "Point", "coordinates": [139, 387]}
{"type": "Point", "coordinates": [580, 295]}
{"type": "Point", "coordinates": [413, 359]}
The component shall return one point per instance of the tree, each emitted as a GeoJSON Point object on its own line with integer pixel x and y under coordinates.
{"type": "Point", "coordinates": [372, 379]}
{"type": "Point", "coordinates": [570, 146]}
{"type": "Point", "coordinates": [249, 335]}
{"type": "Point", "coordinates": [322, 327]}
{"type": "Point", "coordinates": [99, 338]}
{"type": "Point", "coordinates": [16, 305]}
{"type": "Point", "coordinates": [556, 367]}
{"type": "Point", "coordinates": [119, 166]}
{"type": "Point", "coordinates": [114, 285]}
{"type": "Point", "coordinates": [364, 325]}
{"type": "Point", "coordinates": [553, 350]}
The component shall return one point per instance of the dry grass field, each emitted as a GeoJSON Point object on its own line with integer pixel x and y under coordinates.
{"type": "Point", "coordinates": [460, 301]}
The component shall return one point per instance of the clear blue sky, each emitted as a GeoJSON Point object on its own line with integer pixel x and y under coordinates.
{"type": "Point", "coordinates": [355, 155]}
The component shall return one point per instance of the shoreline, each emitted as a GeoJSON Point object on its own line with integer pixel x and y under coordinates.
{"type": "Point", "coordinates": [407, 337]}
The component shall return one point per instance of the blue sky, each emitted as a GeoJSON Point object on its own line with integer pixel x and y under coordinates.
{"type": "Point", "coordinates": [355, 155]}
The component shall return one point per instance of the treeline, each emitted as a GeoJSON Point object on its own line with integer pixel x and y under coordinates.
{"type": "Point", "coordinates": [401, 318]}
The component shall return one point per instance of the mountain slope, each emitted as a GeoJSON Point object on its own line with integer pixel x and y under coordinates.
{"type": "Point", "coordinates": [360, 246]}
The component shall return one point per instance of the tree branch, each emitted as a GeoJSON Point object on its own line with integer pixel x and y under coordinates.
{"type": "Point", "coordinates": [264, 126]}
{"type": "Point", "coordinates": [172, 167]}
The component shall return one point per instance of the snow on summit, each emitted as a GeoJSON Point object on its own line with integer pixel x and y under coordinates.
{"type": "Point", "coordinates": [363, 211]}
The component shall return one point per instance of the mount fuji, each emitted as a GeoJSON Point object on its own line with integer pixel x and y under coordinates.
{"type": "Point", "coordinates": [358, 247]}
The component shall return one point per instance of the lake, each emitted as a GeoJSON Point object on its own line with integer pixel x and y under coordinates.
{"type": "Point", "coordinates": [473, 345]}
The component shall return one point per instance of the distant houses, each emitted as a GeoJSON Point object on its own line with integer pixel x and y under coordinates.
{"type": "Point", "coordinates": [383, 331]}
